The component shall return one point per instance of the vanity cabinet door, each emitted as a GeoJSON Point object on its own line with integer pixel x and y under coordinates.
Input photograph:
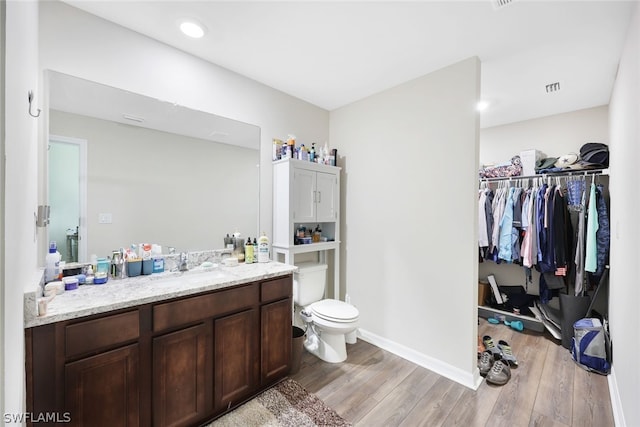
{"type": "Point", "coordinates": [182, 384]}
{"type": "Point", "coordinates": [275, 340]}
{"type": "Point", "coordinates": [236, 358]}
{"type": "Point", "coordinates": [103, 390]}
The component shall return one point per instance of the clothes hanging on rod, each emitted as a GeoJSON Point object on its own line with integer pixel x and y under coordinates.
{"type": "Point", "coordinates": [541, 225]}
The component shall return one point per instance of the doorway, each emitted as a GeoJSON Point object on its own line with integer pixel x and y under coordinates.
{"type": "Point", "coordinates": [68, 196]}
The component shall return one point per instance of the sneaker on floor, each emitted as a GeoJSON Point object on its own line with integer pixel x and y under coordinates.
{"type": "Point", "coordinates": [485, 363]}
{"type": "Point", "coordinates": [491, 347]}
{"type": "Point", "coordinates": [481, 348]}
{"type": "Point", "coordinates": [507, 354]}
{"type": "Point", "coordinates": [499, 373]}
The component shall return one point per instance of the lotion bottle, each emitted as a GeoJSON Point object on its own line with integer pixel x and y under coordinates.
{"type": "Point", "coordinates": [263, 248]}
{"type": "Point", "coordinates": [52, 263]}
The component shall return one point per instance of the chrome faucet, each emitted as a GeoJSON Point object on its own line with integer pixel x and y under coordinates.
{"type": "Point", "coordinates": [182, 265]}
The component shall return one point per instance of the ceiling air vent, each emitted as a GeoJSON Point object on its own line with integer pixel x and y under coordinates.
{"type": "Point", "coordinates": [499, 4]}
{"type": "Point", "coordinates": [552, 87]}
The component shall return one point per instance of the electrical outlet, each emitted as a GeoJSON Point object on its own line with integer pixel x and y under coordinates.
{"type": "Point", "coordinates": [105, 218]}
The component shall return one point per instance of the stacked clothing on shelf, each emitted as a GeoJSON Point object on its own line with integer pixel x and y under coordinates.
{"type": "Point", "coordinates": [556, 225]}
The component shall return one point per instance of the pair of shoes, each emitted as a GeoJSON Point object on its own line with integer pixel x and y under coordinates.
{"type": "Point", "coordinates": [499, 374]}
{"type": "Point", "coordinates": [491, 347]}
{"type": "Point", "coordinates": [501, 351]}
{"type": "Point", "coordinates": [506, 353]}
{"type": "Point", "coordinates": [485, 363]}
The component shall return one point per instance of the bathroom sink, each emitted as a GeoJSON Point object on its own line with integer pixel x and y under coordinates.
{"type": "Point", "coordinates": [206, 276]}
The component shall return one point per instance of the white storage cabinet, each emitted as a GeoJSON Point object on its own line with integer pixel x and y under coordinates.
{"type": "Point", "coordinates": [306, 194]}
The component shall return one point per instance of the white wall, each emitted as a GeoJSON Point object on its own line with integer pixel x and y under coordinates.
{"type": "Point", "coordinates": [554, 135]}
{"type": "Point", "coordinates": [80, 44]}
{"type": "Point", "coordinates": [409, 157]}
{"type": "Point", "coordinates": [20, 191]}
{"type": "Point", "coordinates": [625, 230]}
{"type": "Point", "coordinates": [3, 24]}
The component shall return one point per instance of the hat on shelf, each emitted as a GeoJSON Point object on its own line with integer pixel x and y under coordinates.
{"type": "Point", "coordinates": [566, 161]}
{"type": "Point", "coordinates": [546, 163]}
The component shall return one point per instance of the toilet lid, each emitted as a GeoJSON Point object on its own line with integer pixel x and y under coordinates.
{"type": "Point", "coordinates": [335, 310]}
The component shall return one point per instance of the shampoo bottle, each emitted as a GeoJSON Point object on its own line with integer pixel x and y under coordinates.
{"type": "Point", "coordinates": [52, 263]}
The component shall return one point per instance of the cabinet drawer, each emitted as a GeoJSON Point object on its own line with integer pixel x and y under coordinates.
{"type": "Point", "coordinates": [178, 313]}
{"type": "Point", "coordinates": [100, 333]}
{"type": "Point", "coordinates": [276, 289]}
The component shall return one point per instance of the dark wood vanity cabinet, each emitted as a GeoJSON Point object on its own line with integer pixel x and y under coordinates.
{"type": "Point", "coordinates": [181, 392]}
{"type": "Point", "coordinates": [174, 363]}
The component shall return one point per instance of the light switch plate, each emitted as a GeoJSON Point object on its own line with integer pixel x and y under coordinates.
{"type": "Point", "coordinates": [105, 218]}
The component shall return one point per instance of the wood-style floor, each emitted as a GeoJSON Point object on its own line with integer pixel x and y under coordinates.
{"type": "Point", "coordinates": [376, 388]}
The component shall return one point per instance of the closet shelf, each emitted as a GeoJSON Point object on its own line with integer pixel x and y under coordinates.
{"type": "Point", "coordinates": [582, 172]}
{"type": "Point", "coordinates": [530, 323]}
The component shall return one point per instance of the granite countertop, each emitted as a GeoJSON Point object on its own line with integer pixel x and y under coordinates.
{"type": "Point", "coordinates": [124, 293]}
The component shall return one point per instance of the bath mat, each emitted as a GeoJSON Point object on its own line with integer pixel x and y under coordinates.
{"type": "Point", "coordinates": [285, 404]}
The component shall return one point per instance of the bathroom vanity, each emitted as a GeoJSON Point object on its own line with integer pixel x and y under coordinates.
{"type": "Point", "coordinates": [175, 350]}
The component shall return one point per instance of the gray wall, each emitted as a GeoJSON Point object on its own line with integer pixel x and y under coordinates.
{"type": "Point", "coordinates": [625, 230]}
{"type": "Point", "coordinates": [409, 157]}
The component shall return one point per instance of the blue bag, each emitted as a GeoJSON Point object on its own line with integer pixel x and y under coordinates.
{"type": "Point", "coordinates": [589, 346]}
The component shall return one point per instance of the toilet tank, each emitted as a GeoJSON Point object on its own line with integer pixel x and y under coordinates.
{"type": "Point", "coordinates": [309, 283]}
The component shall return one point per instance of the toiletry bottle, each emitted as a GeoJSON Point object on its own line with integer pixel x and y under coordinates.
{"type": "Point", "coordinates": [89, 279]}
{"type": "Point", "coordinates": [228, 242]}
{"type": "Point", "coordinates": [255, 250]}
{"type": "Point", "coordinates": [52, 263]}
{"type": "Point", "coordinates": [263, 248]}
{"type": "Point", "coordinates": [248, 252]}
{"type": "Point", "coordinates": [312, 153]}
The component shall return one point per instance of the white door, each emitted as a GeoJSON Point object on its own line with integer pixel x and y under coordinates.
{"type": "Point", "coordinates": [326, 197]}
{"type": "Point", "coordinates": [68, 196]}
{"type": "Point", "coordinates": [304, 183]}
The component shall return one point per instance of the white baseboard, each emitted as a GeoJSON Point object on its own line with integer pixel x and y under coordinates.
{"type": "Point", "coordinates": [616, 403]}
{"type": "Point", "coordinates": [467, 379]}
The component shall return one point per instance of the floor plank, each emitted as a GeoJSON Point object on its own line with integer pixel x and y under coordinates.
{"type": "Point", "coordinates": [555, 393]}
{"type": "Point", "coordinates": [375, 387]}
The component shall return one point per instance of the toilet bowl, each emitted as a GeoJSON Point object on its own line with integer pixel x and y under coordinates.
{"type": "Point", "coordinates": [330, 323]}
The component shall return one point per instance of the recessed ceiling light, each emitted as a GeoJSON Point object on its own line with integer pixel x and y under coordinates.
{"type": "Point", "coordinates": [192, 29]}
{"type": "Point", "coordinates": [482, 105]}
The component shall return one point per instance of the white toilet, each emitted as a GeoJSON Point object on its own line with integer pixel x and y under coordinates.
{"type": "Point", "coordinates": [330, 323]}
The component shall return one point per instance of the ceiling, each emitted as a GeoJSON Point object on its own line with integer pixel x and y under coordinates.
{"type": "Point", "coordinates": [332, 53]}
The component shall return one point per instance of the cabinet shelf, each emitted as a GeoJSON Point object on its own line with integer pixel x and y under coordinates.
{"type": "Point", "coordinates": [311, 247]}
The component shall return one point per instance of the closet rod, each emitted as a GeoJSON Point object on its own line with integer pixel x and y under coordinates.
{"type": "Point", "coordinates": [550, 175]}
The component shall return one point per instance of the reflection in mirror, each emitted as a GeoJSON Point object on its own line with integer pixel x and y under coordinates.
{"type": "Point", "coordinates": [155, 172]}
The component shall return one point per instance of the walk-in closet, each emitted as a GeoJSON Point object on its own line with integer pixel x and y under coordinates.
{"type": "Point", "coordinates": [555, 229]}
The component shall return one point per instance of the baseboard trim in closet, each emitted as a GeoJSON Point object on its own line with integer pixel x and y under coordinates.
{"type": "Point", "coordinates": [467, 379]}
{"type": "Point", "coordinates": [616, 403]}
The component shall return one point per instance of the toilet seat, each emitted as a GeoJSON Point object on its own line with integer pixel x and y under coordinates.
{"type": "Point", "coordinates": [335, 311]}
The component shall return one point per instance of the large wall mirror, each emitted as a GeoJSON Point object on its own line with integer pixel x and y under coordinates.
{"type": "Point", "coordinates": [126, 169]}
